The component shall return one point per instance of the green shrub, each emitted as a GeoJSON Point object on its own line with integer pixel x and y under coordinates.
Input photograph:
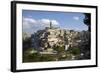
{"type": "Point", "coordinates": [75, 51]}
{"type": "Point", "coordinates": [59, 48]}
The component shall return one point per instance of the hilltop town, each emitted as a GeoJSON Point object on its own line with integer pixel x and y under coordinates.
{"type": "Point", "coordinates": [55, 44]}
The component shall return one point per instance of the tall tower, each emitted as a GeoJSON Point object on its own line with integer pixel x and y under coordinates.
{"type": "Point", "coordinates": [50, 25]}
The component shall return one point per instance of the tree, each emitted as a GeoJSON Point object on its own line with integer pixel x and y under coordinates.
{"type": "Point", "coordinates": [26, 41]}
{"type": "Point", "coordinates": [86, 45]}
{"type": "Point", "coordinates": [87, 20]}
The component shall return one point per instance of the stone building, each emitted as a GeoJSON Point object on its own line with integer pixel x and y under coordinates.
{"type": "Point", "coordinates": [51, 36]}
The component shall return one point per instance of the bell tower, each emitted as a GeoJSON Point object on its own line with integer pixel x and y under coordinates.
{"type": "Point", "coordinates": [50, 25]}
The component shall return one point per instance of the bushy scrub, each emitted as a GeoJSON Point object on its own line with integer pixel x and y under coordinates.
{"type": "Point", "coordinates": [75, 51]}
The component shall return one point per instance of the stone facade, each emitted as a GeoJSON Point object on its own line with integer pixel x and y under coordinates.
{"type": "Point", "coordinates": [50, 37]}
